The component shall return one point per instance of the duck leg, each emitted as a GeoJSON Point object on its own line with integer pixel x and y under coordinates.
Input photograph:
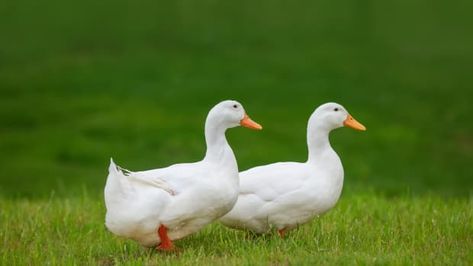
{"type": "Point", "coordinates": [282, 232]}
{"type": "Point", "coordinates": [166, 243]}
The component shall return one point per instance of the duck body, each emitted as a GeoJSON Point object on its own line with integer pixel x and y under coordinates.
{"type": "Point", "coordinates": [287, 194]}
{"type": "Point", "coordinates": [194, 195]}
{"type": "Point", "coordinates": [181, 198]}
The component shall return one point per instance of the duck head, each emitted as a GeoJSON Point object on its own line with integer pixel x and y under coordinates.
{"type": "Point", "coordinates": [228, 114]}
{"type": "Point", "coordinates": [333, 116]}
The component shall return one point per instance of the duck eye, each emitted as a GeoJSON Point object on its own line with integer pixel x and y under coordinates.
{"type": "Point", "coordinates": [235, 106]}
{"type": "Point", "coordinates": [336, 109]}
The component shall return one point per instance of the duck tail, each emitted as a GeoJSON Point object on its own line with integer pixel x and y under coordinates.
{"type": "Point", "coordinates": [117, 180]}
{"type": "Point", "coordinates": [116, 191]}
{"type": "Point", "coordinates": [116, 169]}
{"type": "Point", "coordinates": [112, 168]}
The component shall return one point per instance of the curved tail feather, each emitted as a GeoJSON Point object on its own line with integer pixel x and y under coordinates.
{"type": "Point", "coordinates": [112, 167]}
{"type": "Point", "coordinates": [117, 178]}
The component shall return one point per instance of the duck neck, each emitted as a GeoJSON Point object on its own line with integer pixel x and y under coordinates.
{"type": "Point", "coordinates": [217, 146]}
{"type": "Point", "coordinates": [317, 140]}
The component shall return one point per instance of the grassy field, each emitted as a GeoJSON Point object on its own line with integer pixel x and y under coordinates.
{"type": "Point", "coordinates": [86, 80]}
{"type": "Point", "coordinates": [363, 229]}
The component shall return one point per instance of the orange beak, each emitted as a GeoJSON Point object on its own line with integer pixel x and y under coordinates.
{"type": "Point", "coordinates": [247, 122]}
{"type": "Point", "coordinates": [351, 122]}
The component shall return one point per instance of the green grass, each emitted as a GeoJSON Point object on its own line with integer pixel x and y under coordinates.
{"type": "Point", "coordinates": [81, 81]}
{"type": "Point", "coordinates": [362, 229]}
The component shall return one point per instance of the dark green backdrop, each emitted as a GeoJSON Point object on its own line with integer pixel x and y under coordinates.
{"type": "Point", "coordinates": [81, 81]}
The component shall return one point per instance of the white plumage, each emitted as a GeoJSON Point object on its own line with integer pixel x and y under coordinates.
{"type": "Point", "coordinates": [286, 194]}
{"type": "Point", "coordinates": [183, 197]}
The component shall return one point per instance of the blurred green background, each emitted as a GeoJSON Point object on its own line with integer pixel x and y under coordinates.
{"type": "Point", "coordinates": [81, 81]}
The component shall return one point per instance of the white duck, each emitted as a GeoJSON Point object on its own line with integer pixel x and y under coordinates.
{"type": "Point", "coordinates": [286, 194]}
{"type": "Point", "coordinates": [157, 206]}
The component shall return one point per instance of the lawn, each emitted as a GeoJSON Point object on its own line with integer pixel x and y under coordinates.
{"type": "Point", "coordinates": [83, 81]}
{"type": "Point", "coordinates": [363, 229]}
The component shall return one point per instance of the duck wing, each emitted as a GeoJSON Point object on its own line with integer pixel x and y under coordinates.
{"type": "Point", "coordinates": [128, 179]}
{"type": "Point", "coordinates": [173, 179]}
{"type": "Point", "coordinates": [270, 182]}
